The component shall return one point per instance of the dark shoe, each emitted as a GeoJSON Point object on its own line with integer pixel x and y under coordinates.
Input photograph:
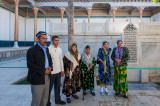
{"type": "Point", "coordinates": [75, 96]}
{"type": "Point", "coordinates": [49, 104]}
{"type": "Point", "coordinates": [125, 96]}
{"type": "Point", "coordinates": [92, 93]}
{"type": "Point", "coordinates": [84, 93]}
{"type": "Point", "coordinates": [117, 94]}
{"type": "Point", "coordinates": [61, 103]}
{"type": "Point", "coordinates": [68, 100]}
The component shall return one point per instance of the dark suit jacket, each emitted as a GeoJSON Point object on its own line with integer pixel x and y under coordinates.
{"type": "Point", "coordinates": [36, 65]}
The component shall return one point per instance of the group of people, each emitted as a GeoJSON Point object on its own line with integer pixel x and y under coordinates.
{"type": "Point", "coordinates": [46, 66]}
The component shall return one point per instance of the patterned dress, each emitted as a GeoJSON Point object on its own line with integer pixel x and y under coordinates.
{"type": "Point", "coordinates": [104, 72]}
{"type": "Point", "coordinates": [89, 73]}
{"type": "Point", "coordinates": [120, 72]}
{"type": "Point", "coordinates": [72, 83]}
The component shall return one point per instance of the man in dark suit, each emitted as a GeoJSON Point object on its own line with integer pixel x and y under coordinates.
{"type": "Point", "coordinates": [39, 64]}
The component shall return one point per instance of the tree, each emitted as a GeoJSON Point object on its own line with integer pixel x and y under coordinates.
{"type": "Point", "coordinates": [156, 1]}
{"type": "Point", "coordinates": [70, 22]}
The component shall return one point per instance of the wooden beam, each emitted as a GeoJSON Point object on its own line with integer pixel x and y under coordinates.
{"type": "Point", "coordinates": [32, 2]}
{"type": "Point", "coordinates": [21, 5]}
{"type": "Point", "coordinates": [133, 11]}
{"type": "Point", "coordinates": [66, 12]}
{"type": "Point", "coordinates": [110, 11]}
{"type": "Point", "coordinates": [155, 10]}
{"type": "Point", "coordinates": [42, 11]}
{"type": "Point", "coordinates": [1, 2]}
{"type": "Point", "coordinates": [35, 10]}
{"type": "Point", "coordinates": [29, 6]}
{"type": "Point", "coordinates": [8, 5]}
{"type": "Point", "coordinates": [114, 13]}
{"type": "Point", "coordinates": [16, 27]}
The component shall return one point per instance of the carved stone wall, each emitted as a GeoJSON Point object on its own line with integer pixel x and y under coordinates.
{"type": "Point", "coordinates": [129, 37]}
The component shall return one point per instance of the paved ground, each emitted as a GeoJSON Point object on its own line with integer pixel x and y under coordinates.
{"type": "Point", "coordinates": [20, 95]}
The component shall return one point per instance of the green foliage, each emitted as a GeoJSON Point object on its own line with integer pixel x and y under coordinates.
{"type": "Point", "coordinates": [158, 83]}
{"type": "Point", "coordinates": [23, 82]}
{"type": "Point", "coordinates": [156, 1]}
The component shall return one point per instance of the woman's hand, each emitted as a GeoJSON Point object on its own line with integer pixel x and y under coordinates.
{"type": "Point", "coordinates": [118, 60]}
{"type": "Point", "coordinates": [91, 66]}
{"type": "Point", "coordinates": [83, 72]}
{"type": "Point", "coordinates": [104, 49]}
{"type": "Point", "coordinates": [104, 64]}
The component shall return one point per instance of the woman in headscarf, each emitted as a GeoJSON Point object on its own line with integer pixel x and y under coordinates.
{"type": "Point", "coordinates": [72, 83]}
{"type": "Point", "coordinates": [104, 66]}
{"type": "Point", "coordinates": [87, 64]}
{"type": "Point", "coordinates": [120, 56]}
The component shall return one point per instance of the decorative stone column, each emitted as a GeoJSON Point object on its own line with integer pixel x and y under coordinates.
{"type": "Point", "coordinates": [141, 13]}
{"type": "Point", "coordinates": [62, 14]}
{"type": "Point", "coordinates": [89, 10]}
{"type": "Point", "coordinates": [35, 9]}
{"type": "Point", "coordinates": [70, 23]}
{"type": "Point", "coordinates": [16, 25]}
{"type": "Point", "coordinates": [114, 13]}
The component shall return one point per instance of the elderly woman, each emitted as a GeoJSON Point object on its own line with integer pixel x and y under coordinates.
{"type": "Point", "coordinates": [120, 56]}
{"type": "Point", "coordinates": [72, 83]}
{"type": "Point", "coordinates": [104, 66]}
{"type": "Point", "coordinates": [87, 64]}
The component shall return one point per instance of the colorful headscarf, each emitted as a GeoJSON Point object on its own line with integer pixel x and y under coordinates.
{"type": "Point", "coordinates": [87, 59]}
{"type": "Point", "coordinates": [74, 54]}
{"type": "Point", "coordinates": [104, 42]}
{"type": "Point", "coordinates": [119, 41]}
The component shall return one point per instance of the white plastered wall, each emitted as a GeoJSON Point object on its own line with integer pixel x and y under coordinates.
{"type": "Point", "coordinates": [26, 25]}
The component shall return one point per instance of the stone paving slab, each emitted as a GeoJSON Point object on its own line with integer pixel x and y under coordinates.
{"type": "Point", "coordinates": [20, 95]}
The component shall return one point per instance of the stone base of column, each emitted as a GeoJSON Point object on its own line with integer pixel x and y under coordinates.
{"type": "Point", "coordinates": [15, 45]}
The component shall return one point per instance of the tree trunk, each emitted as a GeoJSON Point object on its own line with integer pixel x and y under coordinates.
{"type": "Point", "coordinates": [70, 23]}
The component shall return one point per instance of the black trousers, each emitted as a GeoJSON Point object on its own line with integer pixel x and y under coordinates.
{"type": "Point", "coordinates": [56, 80]}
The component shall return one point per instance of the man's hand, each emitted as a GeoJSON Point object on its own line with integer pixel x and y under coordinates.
{"type": "Point", "coordinates": [90, 67]}
{"type": "Point", "coordinates": [47, 72]}
{"type": "Point", "coordinates": [83, 72]}
{"type": "Point", "coordinates": [62, 73]}
{"type": "Point", "coordinates": [49, 68]}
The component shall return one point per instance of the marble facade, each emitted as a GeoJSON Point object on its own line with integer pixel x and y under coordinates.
{"type": "Point", "coordinates": [144, 42]}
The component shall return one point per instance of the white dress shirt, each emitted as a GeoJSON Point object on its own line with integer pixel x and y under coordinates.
{"type": "Point", "coordinates": [57, 60]}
